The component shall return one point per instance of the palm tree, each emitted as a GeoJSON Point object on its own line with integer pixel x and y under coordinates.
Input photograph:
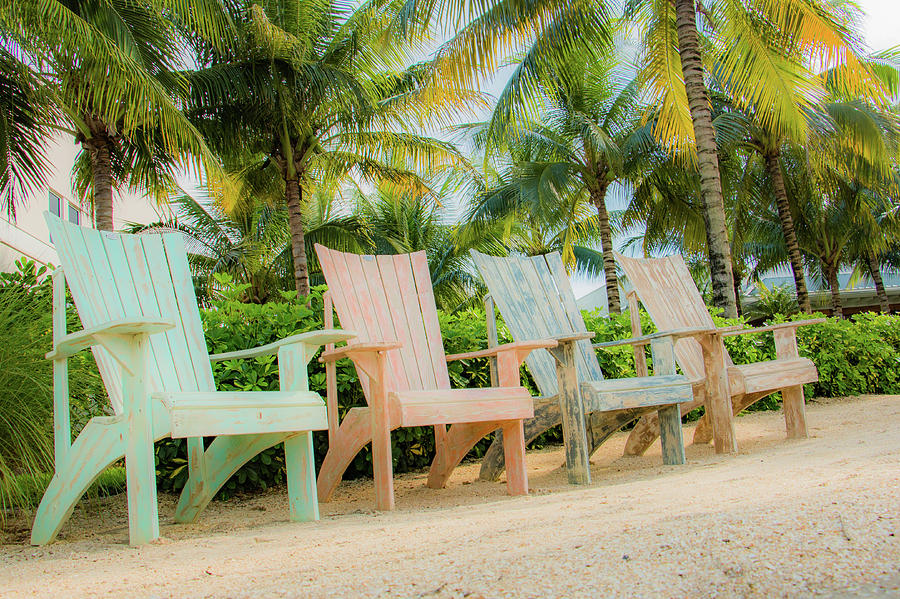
{"type": "Point", "coordinates": [231, 231]}
{"type": "Point", "coordinates": [111, 66]}
{"type": "Point", "coordinates": [528, 209]}
{"type": "Point", "coordinates": [310, 95]}
{"type": "Point", "coordinates": [876, 243]}
{"type": "Point", "coordinates": [748, 45]}
{"type": "Point", "coordinates": [26, 113]}
{"type": "Point", "coordinates": [857, 127]}
{"type": "Point", "coordinates": [834, 223]}
{"type": "Point", "coordinates": [579, 148]}
{"type": "Point", "coordinates": [398, 221]}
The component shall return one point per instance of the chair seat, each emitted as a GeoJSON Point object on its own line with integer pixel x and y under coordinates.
{"type": "Point", "coordinates": [210, 413]}
{"type": "Point", "coordinates": [451, 406]}
{"type": "Point", "coordinates": [635, 392]}
{"type": "Point", "coordinates": [770, 376]}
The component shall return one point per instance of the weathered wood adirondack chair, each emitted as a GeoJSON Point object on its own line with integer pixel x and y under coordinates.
{"type": "Point", "coordinates": [667, 291]}
{"type": "Point", "coordinates": [400, 358]}
{"type": "Point", "coordinates": [136, 300]}
{"type": "Point", "coordinates": [536, 300]}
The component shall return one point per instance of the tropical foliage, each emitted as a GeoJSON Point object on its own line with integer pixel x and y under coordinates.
{"type": "Point", "coordinates": [749, 135]}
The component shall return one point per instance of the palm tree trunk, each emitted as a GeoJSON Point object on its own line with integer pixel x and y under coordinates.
{"type": "Point", "coordinates": [101, 167]}
{"type": "Point", "coordinates": [832, 275]}
{"type": "Point", "coordinates": [707, 155]}
{"type": "Point", "coordinates": [293, 195]}
{"type": "Point", "coordinates": [773, 166]}
{"type": "Point", "coordinates": [738, 279]}
{"type": "Point", "coordinates": [875, 271]}
{"type": "Point", "coordinates": [598, 197]}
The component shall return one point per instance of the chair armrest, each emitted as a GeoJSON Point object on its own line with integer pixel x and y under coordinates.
{"type": "Point", "coordinates": [315, 338]}
{"type": "Point", "coordinates": [674, 334]}
{"type": "Point", "coordinates": [773, 327]}
{"type": "Point", "coordinates": [573, 336]}
{"type": "Point", "coordinates": [346, 351]}
{"type": "Point", "coordinates": [518, 346]}
{"type": "Point", "coordinates": [73, 343]}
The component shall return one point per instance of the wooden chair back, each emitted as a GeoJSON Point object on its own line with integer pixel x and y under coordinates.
{"type": "Point", "coordinates": [389, 298]}
{"type": "Point", "coordinates": [536, 302]}
{"type": "Point", "coordinates": [114, 276]}
{"type": "Point", "coordinates": [668, 292]}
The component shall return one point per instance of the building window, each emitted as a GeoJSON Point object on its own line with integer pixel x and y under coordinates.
{"type": "Point", "coordinates": [56, 204]}
{"type": "Point", "coordinates": [74, 215]}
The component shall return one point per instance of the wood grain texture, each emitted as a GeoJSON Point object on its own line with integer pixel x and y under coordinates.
{"type": "Point", "coordinates": [634, 316]}
{"type": "Point", "coordinates": [669, 416]}
{"type": "Point", "coordinates": [460, 440]}
{"type": "Point", "coordinates": [62, 426]}
{"type": "Point", "coordinates": [601, 426]}
{"type": "Point", "coordinates": [536, 301]}
{"type": "Point", "coordinates": [331, 397]}
{"type": "Point", "coordinates": [578, 469]}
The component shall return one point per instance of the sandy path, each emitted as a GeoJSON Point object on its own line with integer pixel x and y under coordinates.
{"type": "Point", "coordinates": [819, 516]}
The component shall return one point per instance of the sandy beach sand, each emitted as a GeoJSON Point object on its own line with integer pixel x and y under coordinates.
{"type": "Point", "coordinates": [782, 518]}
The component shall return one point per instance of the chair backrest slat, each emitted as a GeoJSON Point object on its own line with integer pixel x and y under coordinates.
{"type": "Point", "coordinates": [430, 325]}
{"type": "Point", "coordinates": [114, 276]}
{"type": "Point", "coordinates": [390, 298]}
{"type": "Point", "coordinates": [397, 308]}
{"type": "Point", "coordinates": [373, 281]}
{"type": "Point", "coordinates": [80, 277]}
{"type": "Point", "coordinates": [134, 300]}
{"type": "Point", "coordinates": [668, 293]}
{"type": "Point", "coordinates": [498, 277]}
{"type": "Point", "coordinates": [536, 301]}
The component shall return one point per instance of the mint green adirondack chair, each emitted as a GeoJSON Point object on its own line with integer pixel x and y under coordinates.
{"type": "Point", "coordinates": [136, 300]}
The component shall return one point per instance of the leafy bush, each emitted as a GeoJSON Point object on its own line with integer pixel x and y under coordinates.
{"type": "Point", "coordinates": [852, 357]}
{"type": "Point", "coordinates": [26, 383]}
{"type": "Point", "coordinates": [855, 356]}
{"type": "Point", "coordinates": [772, 302]}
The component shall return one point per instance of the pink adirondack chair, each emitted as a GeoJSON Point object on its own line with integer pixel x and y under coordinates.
{"type": "Point", "coordinates": [399, 356]}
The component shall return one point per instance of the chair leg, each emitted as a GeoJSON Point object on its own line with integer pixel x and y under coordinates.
{"type": "Point", "coordinates": [382, 461]}
{"type": "Point", "coordinates": [301, 477]}
{"type": "Point", "coordinates": [794, 412]}
{"type": "Point", "coordinates": [99, 446]}
{"type": "Point", "coordinates": [703, 432]}
{"type": "Point", "coordinates": [460, 439]}
{"type": "Point", "coordinates": [578, 467]}
{"type": "Point", "coordinates": [642, 435]}
{"type": "Point", "coordinates": [140, 478]}
{"type": "Point", "coordinates": [646, 430]}
{"type": "Point", "coordinates": [546, 416]}
{"type": "Point", "coordinates": [354, 433]}
{"type": "Point", "coordinates": [225, 455]}
{"type": "Point", "coordinates": [670, 434]}
{"type": "Point", "coordinates": [514, 454]}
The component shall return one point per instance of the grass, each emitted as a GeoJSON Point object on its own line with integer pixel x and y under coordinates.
{"type": "Point", "coordinates": [26, 386]}
{"type": "Point", "coordinates": [30, 487]}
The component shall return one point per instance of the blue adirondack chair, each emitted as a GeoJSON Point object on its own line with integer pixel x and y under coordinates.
{"type": "Point", "coordinates": [136, 301]}
{"type": "Point", "coordinates": [536, 301]}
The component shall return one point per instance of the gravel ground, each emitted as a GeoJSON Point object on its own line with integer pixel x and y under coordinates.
{"type": "Point", "coordinates": [818, 517]}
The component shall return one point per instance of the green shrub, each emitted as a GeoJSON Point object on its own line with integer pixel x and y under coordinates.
{"type": "Point", "coordinates": [26, 383]}
{"type": "Point", "coordinates": [772, 302]}
{"type": "Point", "coordinates": [859, 355]}
{"type": "Point", "coordinates": [851, 356]}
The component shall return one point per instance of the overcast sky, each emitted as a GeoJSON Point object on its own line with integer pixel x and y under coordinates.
{"type": "Point", "coordinates": [881, 26]}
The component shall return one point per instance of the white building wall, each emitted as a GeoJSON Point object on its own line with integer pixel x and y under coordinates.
{"type": "Point", "coordinates": [27, 235]}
